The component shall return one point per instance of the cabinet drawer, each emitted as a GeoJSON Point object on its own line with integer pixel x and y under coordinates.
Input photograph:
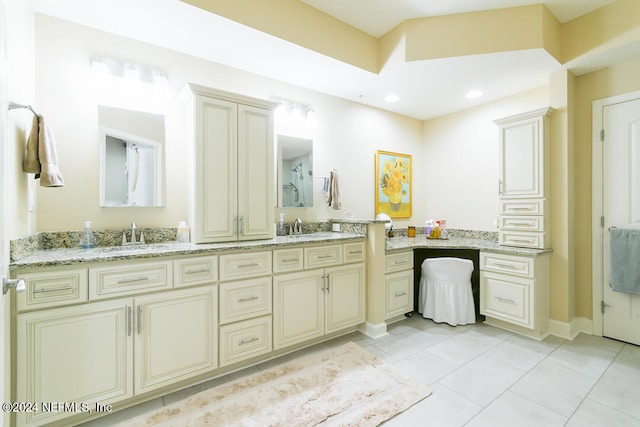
{"type": "Point", "coordinates": [195, 271]}
{"type": "Point", "coordinates": [322, 256]}
{"type": "Point", "coordinates": [127, 279]}
{"type": "Point", "coordinates": [399, 261]}
{"type": "Point", "coordinates": [522, 239]}
{"type": "Point", "coordinates": [243, 340]}
{"type": "Point", "coordinates": [521, 223]}
{"type": "Point", "coordinates": [353, 252]}
{"type": "Point", "coordinates": [522, 207]}
{"type": "Point", "coordinates": [506, 298]}
{"type": "Point", "coordinates": [285, 260]}
{"type": "Point", "coordinates": [510, 264]}
{"type": "Point", "coordinates": [399, 293]}
{"type": "Point", "coordinates": [245, 299]}
{"type": "Point", "coordinates": [238, 266]}
{"type": "Point", "coordinates": [53, 288]}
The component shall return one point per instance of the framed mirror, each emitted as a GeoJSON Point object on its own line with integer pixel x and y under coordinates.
{"type": "Point", "coordinates": [131, 157]}
{"type": "Point", "coordinates": [295, 172]}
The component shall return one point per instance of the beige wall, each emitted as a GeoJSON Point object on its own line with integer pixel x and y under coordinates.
{"type": "Point", "coordinates": [615, 80]}
{"type": "Point", "coordinates": [346, 138]}
{"type": "Point", "coordinates": [461, 161]}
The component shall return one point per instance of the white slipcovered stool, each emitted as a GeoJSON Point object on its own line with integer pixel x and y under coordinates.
{"type": "Point", "coordinates": [445, 293]}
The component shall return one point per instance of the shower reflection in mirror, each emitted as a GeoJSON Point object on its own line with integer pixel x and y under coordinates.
{"type": "Point", "coordinates": [131, 158]}
{"type": "Point", "coordinates": [295, 172]}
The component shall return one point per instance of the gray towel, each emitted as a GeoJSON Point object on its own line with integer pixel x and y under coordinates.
{"type": "Point", "coordinates": [625, 260]}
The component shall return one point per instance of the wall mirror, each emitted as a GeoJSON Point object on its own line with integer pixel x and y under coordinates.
{"type": "Point", "coordinates": [295, 172]}
{"type": "Point", "coordinates": [131, 157]}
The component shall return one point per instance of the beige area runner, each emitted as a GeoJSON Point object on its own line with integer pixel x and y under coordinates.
{"type": "Point", "coordinates": [344, 386]}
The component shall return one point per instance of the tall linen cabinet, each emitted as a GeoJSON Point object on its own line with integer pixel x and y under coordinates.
{"type": "Point", "coordinates": [232, 192]}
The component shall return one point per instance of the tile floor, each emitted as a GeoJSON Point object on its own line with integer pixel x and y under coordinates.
{"type": "Point", "coordinates": [484, 376]}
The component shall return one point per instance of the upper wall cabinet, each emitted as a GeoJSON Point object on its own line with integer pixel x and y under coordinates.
{"type": "Point", "coordinates": [524, 179]}
{"type": "Point", "coordinates": [233, 166]}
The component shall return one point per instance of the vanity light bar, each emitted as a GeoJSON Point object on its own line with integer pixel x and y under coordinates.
{"type": "Point", "coordinates": [101, 66]}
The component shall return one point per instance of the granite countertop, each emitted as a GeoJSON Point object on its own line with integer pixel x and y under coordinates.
{"type": "Point", "coordinates": [396, 244]}
{"type": "Point", "coordinates": [72, 256]}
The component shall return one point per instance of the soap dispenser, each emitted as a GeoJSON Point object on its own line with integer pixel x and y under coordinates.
{"type": "Point", "coordinates": [281, 227]}
{"type": "Point", "coordinates": [87, 240]}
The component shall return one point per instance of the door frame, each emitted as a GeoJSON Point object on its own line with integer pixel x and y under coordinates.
{"type": "Point", "coordinates": [597, 197]}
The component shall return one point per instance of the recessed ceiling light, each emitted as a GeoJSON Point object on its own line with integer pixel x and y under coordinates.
{"type": "Point", "coordinates": [473, 94]}
{"type": "Point", "coordinates": [392, 98]}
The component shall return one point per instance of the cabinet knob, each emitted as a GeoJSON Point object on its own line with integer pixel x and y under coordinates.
{"type": "Point", "coordinates": [18, 284]}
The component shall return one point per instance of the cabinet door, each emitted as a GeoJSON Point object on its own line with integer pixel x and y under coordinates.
{"type": "Point", "coordinates": [344, 293]}
{"type": "Point", "coordinates": [74, 354]}
{"type": "Point", "coordinates": [255, 173]}
{"type": "Point", "coordinates": [176, 336]}
{"type": "Point", "coordinates": [216, 160]}
{"type": "Point", "coordinates": [522, 159]}
{"type": "Point", "coordinates": [298, 307]}
{"type": "Point", "coordinates": [399, 290]}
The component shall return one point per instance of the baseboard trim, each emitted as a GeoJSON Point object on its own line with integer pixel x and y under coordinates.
{"type": "Point", "coordinates": [570, 330]}
{"type": "Point", "coordinates": [374, 331]}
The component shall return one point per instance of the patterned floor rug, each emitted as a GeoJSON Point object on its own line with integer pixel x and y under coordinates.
{"type": "Point", "coordinates": [344, 386]}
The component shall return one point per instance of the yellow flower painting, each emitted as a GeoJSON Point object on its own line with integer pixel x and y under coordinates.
{"type": "Point", "coordinates": [393, 184]}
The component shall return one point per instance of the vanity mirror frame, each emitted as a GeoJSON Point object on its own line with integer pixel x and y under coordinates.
{"type": "Point", "coordinates": [292, 165]}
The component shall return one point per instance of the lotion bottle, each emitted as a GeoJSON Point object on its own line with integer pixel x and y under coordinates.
{"type": "Point", "coordinates": [281, 228]}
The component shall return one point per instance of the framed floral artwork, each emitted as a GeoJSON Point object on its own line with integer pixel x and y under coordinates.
{"type": "Point", "coordinates": [393, 184]}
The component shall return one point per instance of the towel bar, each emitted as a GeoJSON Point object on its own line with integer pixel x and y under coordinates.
{"type": "Point", "coordinates": [13, 105]}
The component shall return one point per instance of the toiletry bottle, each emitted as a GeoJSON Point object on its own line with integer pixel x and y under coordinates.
{"type": "Point", "coordinates": [87, 240]}
{"type": "Point", "coordinates": [183, 232]}
{"type": "Point", "coordinates": [281, 228]}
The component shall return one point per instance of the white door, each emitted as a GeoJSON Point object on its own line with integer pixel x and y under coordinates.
{"type": "Point", "coordinates": [4, 251]}
{"type": "Point", "coordinates": [621, 208]}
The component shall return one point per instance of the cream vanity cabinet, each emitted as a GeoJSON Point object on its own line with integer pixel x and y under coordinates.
{"type": "Point", "coordinates": [245, 306]}
{"type": "Point", "coordinates": [326, 297]}
{"type": "Point", "coordinates": [398, 282]}
{"type": "Point", "coordinates": [514, 292]}
{"type": "Point", "coordinates": [116, 345]}
{"type": "Point", "coordinates": [233, 167]}
{"type": "Point", "coordinates": [524, 179]}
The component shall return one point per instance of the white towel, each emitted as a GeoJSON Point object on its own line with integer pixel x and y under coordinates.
{"type": "Point", "coordinates": [41, 157]}
{"type": "Point", "coordinates": [333, 197]}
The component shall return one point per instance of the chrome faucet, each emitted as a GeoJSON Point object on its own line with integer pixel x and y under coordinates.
{"type": "Point", "coordinates": [296, 228]}
{"type": "Point", "coordinates": [133, 236]}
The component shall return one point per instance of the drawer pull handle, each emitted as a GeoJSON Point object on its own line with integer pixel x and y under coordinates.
{"type": "Point", "coordinates": [522, 208]}
{"type": "Point", "coordinates": [400, 262]}
{"type": "Point", "coordinates": [200, 270]}
{"type": "Point", "coordinates": [509, 300]}
{"type": "Point", "coordinates": [133, 279]}
{"type": "Point", "coordinates": [253, 264]}
{"type": "Point", "coordinates": [502, 265]}
{"type": "Point", "coordinates": [248, 341]}
{"type": "Point", "coordinates": [355, 252]}
{"type": "Point", "coordinates": [325, 256]}
{"type": "Point", "coordinates": [44, 290]}
{"type": "Point", "coordinates": [522, 224]}
{"type": "Point", "coordinates": [400, 294]}
{"type": "Point", "coordinates": [521, 240]}
{"type": "Point", "coordinates": [247, 299]}
{"type": "Point", "coordinates": [290, 260]}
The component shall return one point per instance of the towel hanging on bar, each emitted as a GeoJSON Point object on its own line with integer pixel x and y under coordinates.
{"type": "Point", "coordinates": [41, 157]}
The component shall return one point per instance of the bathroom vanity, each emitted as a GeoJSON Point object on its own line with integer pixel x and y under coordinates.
{"type": "Point", "coordinates": [118, 326]}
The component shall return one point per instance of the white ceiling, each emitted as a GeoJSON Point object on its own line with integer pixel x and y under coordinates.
{"type": "Point", "coordinates": [427, 88]}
